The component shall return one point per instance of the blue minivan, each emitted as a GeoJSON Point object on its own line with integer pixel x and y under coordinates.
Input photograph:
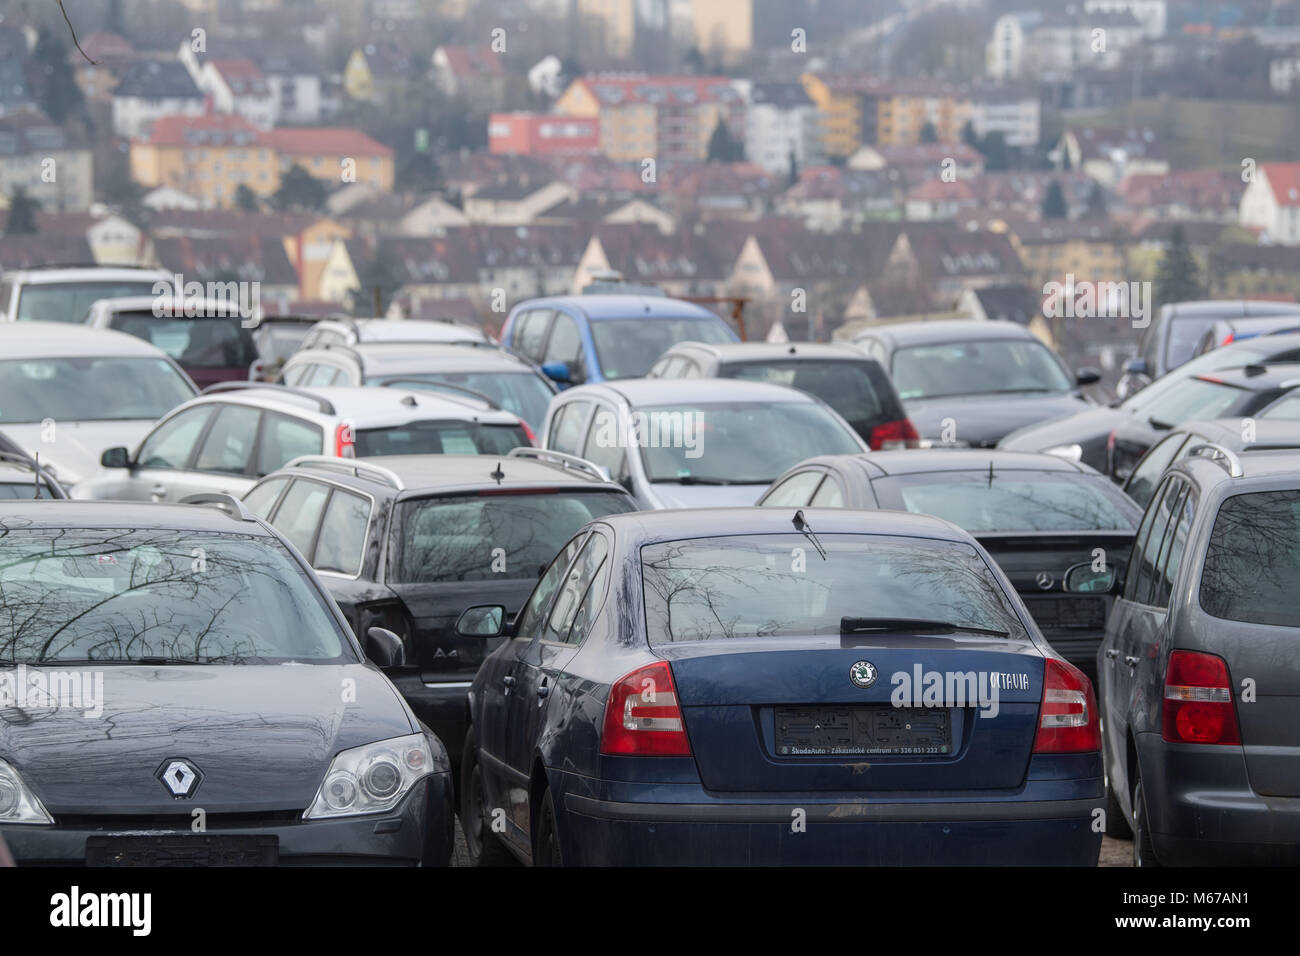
{"type": "Point", "coordinates": [580, 339]}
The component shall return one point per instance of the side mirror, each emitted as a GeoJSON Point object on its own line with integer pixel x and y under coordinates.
{"type": "Point", "coordinates": [385, 648]}
{"type": "Point", "coordinates": [558, 372]}
{"type": "Point", "coordinates": [1087, 376]}
{"type": "Point", "coordinates": [1082, 579]}
{"type": "Point", "coordinates": [482, 620]}
{"type": "Point", "coordinates": [117, 457]}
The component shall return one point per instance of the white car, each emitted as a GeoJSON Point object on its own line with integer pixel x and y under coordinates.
{"type": "Point", "coordinates": [58, 294]}
{"type": "Point", "coordinates": [67, 393]}
{"type": "Point", "coordinates": [348, 331]}
{"type": "Point", "coordinates": [233, 434]}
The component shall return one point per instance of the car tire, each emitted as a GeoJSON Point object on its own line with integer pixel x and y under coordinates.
{"type": "Point", "coordinates": [485, 847]}
{"type": "Point", "coordinates": [1116, 825]}
{"type": "Point", "coordinates": [1144, 853]}
{"type": "Point", "coordinates": [546, 849]}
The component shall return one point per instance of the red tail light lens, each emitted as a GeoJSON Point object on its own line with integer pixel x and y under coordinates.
{"type": "Point", "coordinates": [643, 717]}
{"type": "Point", "coordinates": [344, 443]}
{"type": "Point", "coordinates": [896, 434]}
{"type": "Point", "coordinates": [1067, 717]}
{"type": "Point", "coordinates": [1198, 701]}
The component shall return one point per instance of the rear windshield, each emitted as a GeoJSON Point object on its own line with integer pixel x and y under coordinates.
{"type": "Point", "coordinates": [1194, 398]}
{"type": "Point", "coordinates": [983, 367]}
{"type": "Point", "coordinates": [70, 301]}
{"type": "Point", "coordinates": [196, 342]}
{"type": "Point", "coordinates": [859, 391]}
{"type": "Point", "coordinates": [492, 536]}
{"type": "Point", "coordinates": [1252, 566]}
{"type": "Point", "coordinates": [981, 502]}
{"type": "Point", "coordinates": [520, 393]}
{"type": "Point", "coordinates": [777, 585]}
{"type": "Point", "coordinates": [440, 438]}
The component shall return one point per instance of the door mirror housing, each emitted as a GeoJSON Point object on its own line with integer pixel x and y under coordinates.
{"type": "Point", "coordinates": [385, 648]}
{"type": "Point", "coordinates": [558, 372]}
{"type": "Point", "coordinates": [482, 620]}
{"type": "Point", "coordinates": [1083, 579]}
{"type": "Point", "coordinates": [117, 457]}
{"type": "Point", "coordinates": [1087, 376]}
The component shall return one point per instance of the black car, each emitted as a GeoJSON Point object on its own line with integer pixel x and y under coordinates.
{"type": "Point", "coordinates": [1230, 393]}
{"type": "Point", "coordinates": [1084, 436]}
{"type": "Point", "coordinates": [408, 542]}
{"type": "Point", "coordinates": [840, 375]}
{"type": "Point", "coordinates": [968, 383]}
{"type": "Point", "coordinates": [177, 687]}
{"type": "Point", "coordinates": [1199, 679]}
{"type": "Point", "coordinates": [21, 476]}
{"type": "Point", "coordinates": [1060, 531]}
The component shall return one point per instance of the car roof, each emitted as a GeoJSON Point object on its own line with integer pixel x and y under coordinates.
{"type": "Point", "coordinates": [425, 473]}
{"type": "Point", "coordinates": [774, 351]}
{"type": "Point", "coordinates": [684, 391]}
{"type": "Point", "coordinates": [1228, 308]}
{"type": "Point", "coordinates": [949, 330]}
{"type": "Point", "coordinates": [920, 461]}
{"type": "Point", "coordinates": [407, 330]}
{"type": "Point", "coordinates": [61, 274]}
{"type": "Point", "coordinates": [396, 358]}
{"type": "Point", "coordinates": [669, 525]}
{"type": "Point", "coordinates": [204, 307]}
{"type": "Point", "coordinates": [126, 514]}
{"type": "Point", "coordinates": [1270, 433]}
{"type": "Point", "coordinates": [375, 405]}
{"type": "Point", "coordinates": [60, 340]}
{"type": "Point", "coordinates": [598, 307]}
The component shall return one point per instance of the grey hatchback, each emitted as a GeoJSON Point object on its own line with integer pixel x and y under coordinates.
{"type": "Point", "coordinates": [1198, 675]}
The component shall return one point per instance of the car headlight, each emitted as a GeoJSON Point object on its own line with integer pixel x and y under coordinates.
{"type": "Point", "coordinates": [1069, 452]}
{"type": "Point", "coordinates": [17, 803]}
{"type": "Point", "coordinates": [372, 779]}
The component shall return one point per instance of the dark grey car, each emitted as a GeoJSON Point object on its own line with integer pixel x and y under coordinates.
{"type": "Point", "coordinates": [1198, 675]}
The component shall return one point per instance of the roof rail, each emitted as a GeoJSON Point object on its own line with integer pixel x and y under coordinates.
{"type": "Point", "coordinates": [39, 472]}
{"type": "Point", "coordinates": [227, 503]}
{"type": "Point", "coordinates": [423, 385]}
{"type": "Point", "coordinates": [350, 466]}
{"type": "Point", "coordinates": [325, 405]}
{"type": "Point", "coordinates": [1221, 456]}
{"type": "Point", "coordinates": [567, 462]}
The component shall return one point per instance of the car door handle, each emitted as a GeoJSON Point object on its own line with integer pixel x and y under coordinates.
{"type": "Point", "coordinates": [509, 681]}
{"type": "Point", "coordinates": [1131, 661]}
{"type": "Point", "coordinates": [158, 491]}
{"type": "Point", "coordinates": [1112, 653]}
{"type": "Point", "coordinates": [543, 689]}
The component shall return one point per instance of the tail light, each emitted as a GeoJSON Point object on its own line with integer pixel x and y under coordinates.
{"type": "Point", "coordinates": [1198, 701]}
{"type": "Point", "coordinates": [1228, 339]}
{"type": "Point", "coordinates": [643, 717]}
{"type": "Point", "coordinates": [532, 437]}
{"type": "Point", "coordinates": [896, 434]}
{"type": "Point", "coordinates": [1067, 717]}
{"type": "Point", "coordinates": [345, 445]}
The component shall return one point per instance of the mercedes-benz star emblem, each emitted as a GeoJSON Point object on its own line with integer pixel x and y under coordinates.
{"type": "Point", "coordinates": [863, 673]}
{"type": "Point", "coordinates": [180, 777]}
{"type": "Point", "coordinates": [1045, 580]}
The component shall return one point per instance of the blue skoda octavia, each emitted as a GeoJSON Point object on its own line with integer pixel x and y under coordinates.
{"type": "Point", "coordinates": [775, 686]}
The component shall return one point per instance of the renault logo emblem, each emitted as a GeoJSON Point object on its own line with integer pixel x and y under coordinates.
{"type": "Point", "coordinates": [863, 673]}
{"type": "Point", "coordinates": [180, 777]}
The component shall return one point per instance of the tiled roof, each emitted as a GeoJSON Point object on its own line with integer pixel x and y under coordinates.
{"type": "Point", "coordinates": [468, 62]}
{"type": "Point", "coordinates": [326, 141]}
{"type": "Point", "coordinates": [622, 89]}
{"type": "Point", "coordinates": [158, 80]}
{"type": "Point", "coordinates": [212, 130]}
{"type": "Point", "coordinates": [246, 258]}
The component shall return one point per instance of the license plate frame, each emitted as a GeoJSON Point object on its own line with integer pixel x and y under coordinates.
{"type": "Point", "coordinates": [182, 849]}
{"type": "Point", "coordinates": [862, 730]}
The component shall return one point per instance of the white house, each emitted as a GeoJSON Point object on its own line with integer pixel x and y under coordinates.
{"type": "Point", "coordinates": [781, 121]}
{"type": "Point", "coordinates": [238, 86]}
{"type": "Point", "coordinates": [1017, 118]}
{"type": "Point", "coordinates": [150, 90]}
{"type": "Point", "coordinates": [1271, 202]}
{"type": "Point", "coordinates": [1152, 14]}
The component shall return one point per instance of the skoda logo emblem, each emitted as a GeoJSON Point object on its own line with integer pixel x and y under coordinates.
{"type": "Point", "coordinates": [180, 777]}
{"type": "Point", "coordinates": [1045, 580]}
{"type": "Point", "coordinates": [863, 673]}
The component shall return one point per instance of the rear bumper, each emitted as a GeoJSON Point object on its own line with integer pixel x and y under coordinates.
{"type": "Point", "coordinates": [619, 830]}
{"type": "Point", "coordinates": [419, 831]}
{"type": "Point", "coordinates": [1203, 811]}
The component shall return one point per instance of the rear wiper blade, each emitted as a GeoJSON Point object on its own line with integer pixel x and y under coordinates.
{"type": "Point", "coordinates": [1158, 424]}
{"type": "Point", "coordinates": [699, 480]}
{"type": "Point", "coordinates": [899, 625]}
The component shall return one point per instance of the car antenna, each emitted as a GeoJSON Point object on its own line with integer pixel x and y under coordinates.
{"type": "Point", "coordinates": [990, 474]}
{"type": "Point", "coordinates": [801, 525]}
{"type": "Point", "coordinates": [498, 474]}
{"type": "Point", "coordinates": [36, 478]}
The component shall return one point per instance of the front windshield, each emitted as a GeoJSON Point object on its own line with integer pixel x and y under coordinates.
{"type": "Point", "coordinates": [520, 393]}
{"type": "Point", "coordinates": [89, 389]}
{"type": "Point", "coordinates": [70, 301]}
{"type": "Point", "coordinates": [1193, 398]}
{"type": "Point", "coordinates": [984, 367]}
{"type": "Point", "coordinates": [1230, 356]}
{"type": "Point", "coordinates": [741, 443]}
{"type": "Point", "coordinates": [626, 348]}
{"type": "Point", "coordinates": [118, 595]}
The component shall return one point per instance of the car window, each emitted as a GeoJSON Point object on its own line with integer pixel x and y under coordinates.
{"type": "Point", "coordinates": [321, 375]}
{"type": "Point", "coordinates": [441, 438]}
{"type": "Point", "coordinates": [531, 336]}
{"type": "Point", "coordinates": [172, 443]}
{"type": "Point", "coordinates": [794, 491]}
{"type": "Point", "coordinates": [566, 428]}
{"type": "Point", "coordinates": [978, 367]}
{"type": "Point", "coordinates": [565, 345]}
{"type": "Point", "coordinates": [296, 374]}
{"type": "Point", "coordinates": [299, 513]}
{"type": "Point", "coordinates": [228, 447]}
{"type": "Point", "coordinates": [1287, 408]}
{"type": "Point", "coordinates": [342, 541]}
{"type": "Point", "coordinates": [530, 618]}
{"type": "Point", "coordinates": [828, 495]}
{"type": "Point", "coordinates": [1252, 564]}
{"type": "Point", "coordinates": [576, 581]}
{"type": "Point", "coordinates": [1140, 542]}
{"type": "Point", "coordinates": [1142, 482]}
{"type": "Point", "coordinates": [1148, 559]}
{"type": "Point", "coordinates": [859, 391]}
{"type": "Point", "coordinates": [1171, 555]}
{"type": "Point", "coordinates": [610, 455]}
{"type": "Point", "coordinates": [261, 500]}
{"type": "Point", "coordinates": [626, 348]}
{"type": "Point", "coordinates": [285, 438]}
{"type": "Point", "coordinates": [593, 600]}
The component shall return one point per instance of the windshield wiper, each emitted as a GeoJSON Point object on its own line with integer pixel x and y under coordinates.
{"type": "Point", "coordinates": [703, 480]}
{"type": "Point", "coordinates": [801, 525]}
{"type": "Point", "coordinates": [900, 625]}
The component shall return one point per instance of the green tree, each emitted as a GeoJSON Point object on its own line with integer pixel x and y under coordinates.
{"type": "Point", "coordinates": [299, 190]}
{"type": "Point", "coordinates": [246, 199]}
{"type": "Point", "coordinates": [1178, 277]}
{"type": "Point", "coordinates": [1096, 203]}
{"type": "Point", "coordinates": [1054, 202]}
{"type": "Point", "coordinates": [723, 147]}
{"type": "Point", "coordinates": [928, 133]}
{"type": "Point", "coordinates": [794, 168]}
{"type": "Point", "coordinates": [22, 214]}
{"type": "Point", "coordinates": [994, 149]}
{"type": "Point", "coordinates": [969, 136]}
{"type": "Point", "coordinates": [56, 86]}
{"type": "Point", "coordinates": [375, 274]}
{"type": "Point", "coordinates": [419, 173]}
